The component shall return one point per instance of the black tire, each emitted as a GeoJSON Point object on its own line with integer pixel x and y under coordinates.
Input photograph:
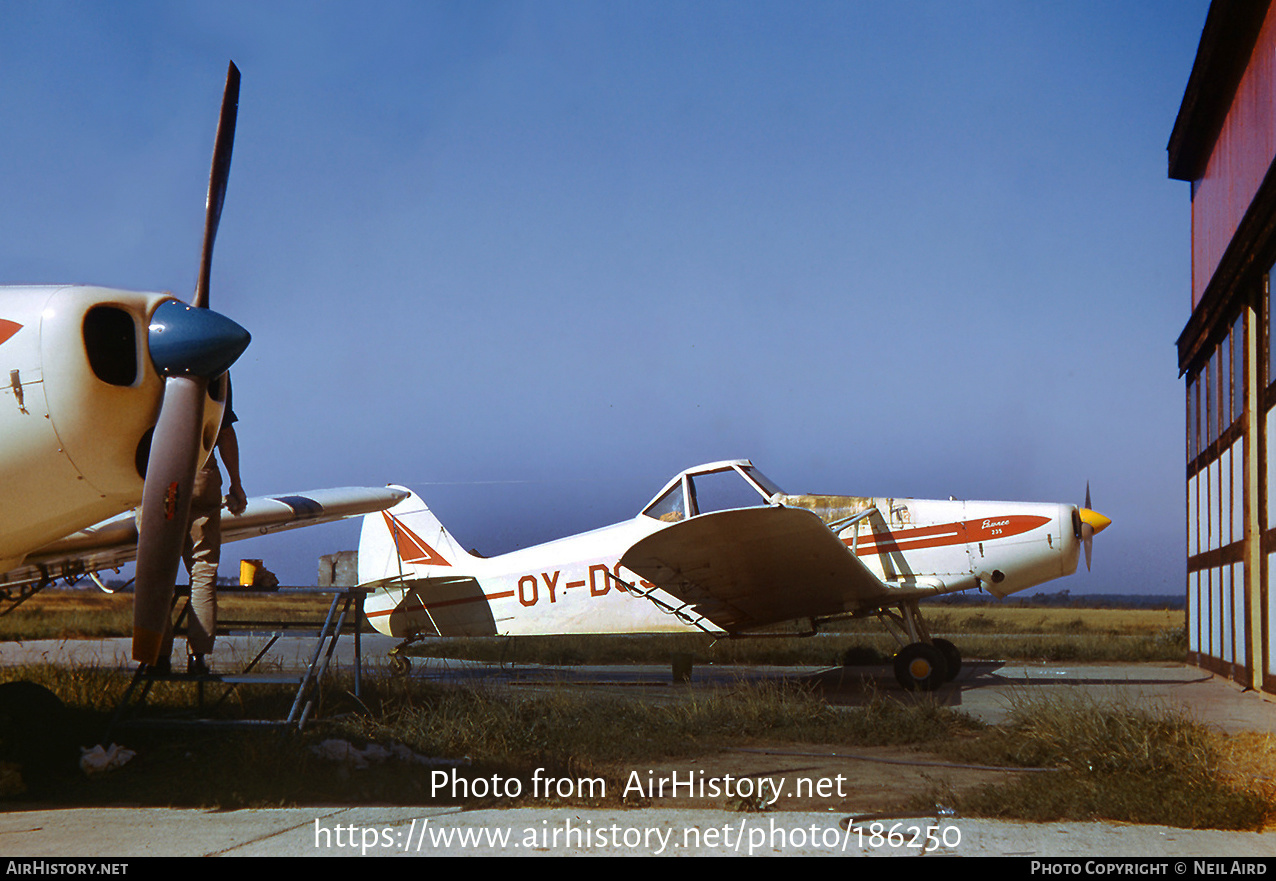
{"type": "Point", "coordinates": [400, 665]}
{"type": "Point", "coordinates": [35, 736]}
{"type": "Point", "coordinates": [920, 667]}
{"type": "Point", "coordinates": [952, 658]}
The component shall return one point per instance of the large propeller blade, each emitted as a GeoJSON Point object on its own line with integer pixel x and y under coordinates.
{"type": "Point", "coordinates": [189, 346]}
{"type": "Point", "coordinates": [170, 473]}
{"type": "Point", "coordinates": [217, 179]}
{"type": "Point", "coordinates": [1092, 523]}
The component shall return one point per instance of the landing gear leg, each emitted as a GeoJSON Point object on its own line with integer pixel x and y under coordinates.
{"type": "Point", "coordinates": [922, 663]}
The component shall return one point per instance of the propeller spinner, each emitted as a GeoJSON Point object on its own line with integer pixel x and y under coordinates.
{"type": "Point", "coordinates": [1091, 524]}
{"type": "Point", "coordinates": [190, 346]}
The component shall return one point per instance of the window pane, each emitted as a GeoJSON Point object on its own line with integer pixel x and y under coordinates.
{"type": "Point", "coordinates": [1211, 409]}
{"type": "Point", "coordinates": [669, 507]}
{"type": "Point", "coordinates": [1201, 429]}
{"type": "Point", "coordinates": [1225, 384]}
{"type": "Point", "coordinates": [722, 491]}
{"type": "Point", "coordinates": [1238, 367]}
{"type": "Point", "coordinates": [1191, 419]}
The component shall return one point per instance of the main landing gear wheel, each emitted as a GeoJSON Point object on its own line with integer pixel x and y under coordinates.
{"type": "Point", "coordinates": [37, 741]}
{"type": "Point", "coordinates": [920, 667]}
{"type": "Point", "coordinates": [952, 658]}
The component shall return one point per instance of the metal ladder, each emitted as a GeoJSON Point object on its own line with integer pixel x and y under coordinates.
{"type": "Point", "coordinates": [345, 602]}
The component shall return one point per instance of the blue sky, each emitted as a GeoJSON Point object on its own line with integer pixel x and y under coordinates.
{"type": "Point", "coordinates": [532, 259]}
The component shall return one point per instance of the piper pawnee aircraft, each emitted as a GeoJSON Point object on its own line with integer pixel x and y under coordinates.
{"type": "Point", "coordinates": [723, 550]}
{"type": "Point", "coordinates": [115, 398]}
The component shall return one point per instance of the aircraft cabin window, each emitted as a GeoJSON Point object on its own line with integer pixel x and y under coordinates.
{"type": "Point", "coordinates": [722, 491]}
{"type": "Point", "coordinates": [669, 508]}
{"type": "Point", "coordinates": [110, 340]}
{"type": "Point", "coordinates": [763, 481]}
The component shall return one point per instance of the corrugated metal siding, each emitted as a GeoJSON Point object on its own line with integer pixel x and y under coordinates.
{"type": "Point", "coordinates": [1239, 161]}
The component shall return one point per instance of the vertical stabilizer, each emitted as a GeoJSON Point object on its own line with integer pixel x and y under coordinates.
{"type": "Point", "coordinates": [407, 541]}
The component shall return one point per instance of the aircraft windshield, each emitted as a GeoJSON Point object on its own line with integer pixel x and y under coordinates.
{"type": "Point", "coordinates": [721, 486]}
{"type": "Point", "coordinates": [723, 490]}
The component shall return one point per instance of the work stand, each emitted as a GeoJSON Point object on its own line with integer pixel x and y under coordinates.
{"type": "Point", "coordinates": [345, 615]}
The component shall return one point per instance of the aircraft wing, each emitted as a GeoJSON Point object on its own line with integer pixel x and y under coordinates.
{"type": "Point", "coordinates": [751, 567]}
{"type": "Point", "coordinates": [114, 542]}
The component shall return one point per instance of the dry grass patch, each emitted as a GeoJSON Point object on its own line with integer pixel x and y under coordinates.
{"type": "Point", "coordinates": [1115, 760]}
{"type": "Point", "coordinates": [1110, 760]}
{"type": "Point", "coordinates": [91, 614]}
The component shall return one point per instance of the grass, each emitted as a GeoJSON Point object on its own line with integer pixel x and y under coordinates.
{"type": "Point", "coordinates": [504, 732]}
{"type": "Point", "coordinates": [1112, 761]}
{"type": "Point", "coordinates": [1119, 761]}
{"type": "Point", "coordinates": [90, 614]}
{"type": "Point", "coordinates": [565, 725]}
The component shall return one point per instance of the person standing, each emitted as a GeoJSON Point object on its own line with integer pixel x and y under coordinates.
{"type": "Point", "coordinates": [202, 552]}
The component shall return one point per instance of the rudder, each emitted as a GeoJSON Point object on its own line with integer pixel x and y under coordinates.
{"type": "Point", "coordinates": [406, 541]}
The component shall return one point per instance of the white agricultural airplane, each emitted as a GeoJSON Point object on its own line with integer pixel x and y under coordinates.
{"type": "Point", "coordinates": [722, 550]}
{"type": "Point", "coordinates": [115, 398]}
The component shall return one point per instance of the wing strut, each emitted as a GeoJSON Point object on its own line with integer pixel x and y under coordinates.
{"type": "Point", "coordinates": [679, 612]}
{"type": "Point", "coordinates": [838, 525]}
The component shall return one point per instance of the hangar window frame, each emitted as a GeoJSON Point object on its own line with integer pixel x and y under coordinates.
{"type": "Point", "coordinates": [1215, 443]}
{"type": "Point", "coordinates": [1216, 396]}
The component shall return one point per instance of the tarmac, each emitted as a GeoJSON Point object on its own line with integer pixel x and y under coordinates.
{"type": "Point", "coordinates": [985, 690]}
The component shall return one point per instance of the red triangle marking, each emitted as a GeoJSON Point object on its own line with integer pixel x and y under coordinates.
{"type": "Point", "coordinates": [411, 547]}
{"type": "Point", "coordinates": [8, 329]}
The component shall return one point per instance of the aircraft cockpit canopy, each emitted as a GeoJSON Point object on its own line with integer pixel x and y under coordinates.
{"type": "Point", "coordinates": [719, 486]}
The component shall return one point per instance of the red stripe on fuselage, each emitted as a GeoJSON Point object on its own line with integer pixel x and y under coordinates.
{"type": "Point", "coordinates": [963, 532]}
{"type": "Point", "coordinates": [440, 604]}
{"type": "Point", "coordinates": [8, 328]}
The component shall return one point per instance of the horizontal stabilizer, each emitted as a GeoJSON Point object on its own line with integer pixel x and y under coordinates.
{"type": "Point", "coordinates": [446, 606]}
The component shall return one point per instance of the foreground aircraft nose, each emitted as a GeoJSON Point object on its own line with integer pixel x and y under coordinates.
{"type": "Point", "coordinates": [186, 341]}
{"type": "Point", "coordinates": [1096, 521]}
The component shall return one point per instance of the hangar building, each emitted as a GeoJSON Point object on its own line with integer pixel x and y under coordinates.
{"type": "Point", "coordinates": [1224, 145]}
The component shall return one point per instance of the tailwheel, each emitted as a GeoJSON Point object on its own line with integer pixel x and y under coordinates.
{"type": "Point", "coordinates": [952, 658]}
{"type": "Point", "coordinates": [920, 667]}
{"type": "Point", "coordinates": [399, 664]}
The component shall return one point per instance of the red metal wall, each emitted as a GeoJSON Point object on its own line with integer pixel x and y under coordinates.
{"type": "Point", "coordinates": [1239, 162]}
